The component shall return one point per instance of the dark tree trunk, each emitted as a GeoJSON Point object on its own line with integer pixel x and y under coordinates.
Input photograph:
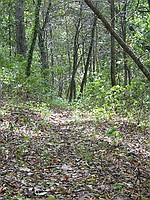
{"type": "Point", "coordinates": [89, 56]}
{"type": "Point", "coordinates": [33, 42]}
{"type": "Point", "coordinates": [20, 28]}
{"type": "Point", "coordinates": [52, 56]}
{"type": "Point", "coordinates": [41, 43]}
{"type": "Point", "coordinates": [68, 40]}
{"type": "Point", "coordinates": [43, 52]}
{"type": "Point", "coordinates": [72, 93]}
{"type": "Point", "coordinates": [119, 39]}
{"type": "Point", "coordinates": [148, 4]}
{"type": "Point", "coordinates": [123, 25]}
{"type": "Point", "coordinates": [9, 33]}
{"type": "Point", "coordinates": [72, 86]}
{"type": "Point", "coordinates": [113, 52]}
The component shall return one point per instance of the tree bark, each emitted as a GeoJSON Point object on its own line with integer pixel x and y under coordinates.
{"type": "Point", "coordinates": [9, 33]}
{"type": "Point", "coordinates": [72, 86]}
{"type": "Point", "coordinates": [41, 43]}
{"type": "Point", "coordinates": [113, 52]}
{"type": "Point", "coordinates": [124, 31]}
{"type": "Point", "coordinates": [20, 28]}
{"type": "Point", "coordinates": [52, 56]}
{"type": "Point", "coordinates": [89, 56]}
{"type": "Point", "coordinates": [33, 42]}
{"type": "Point", "coordinates": [119, 39]}
{"type": "Point", "coordinates": [44, 56]}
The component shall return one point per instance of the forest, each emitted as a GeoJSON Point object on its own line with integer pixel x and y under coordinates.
{"type": "Point", "coordinates": [74, 99]}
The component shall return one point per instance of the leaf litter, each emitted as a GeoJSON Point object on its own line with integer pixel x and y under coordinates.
{"type": "Point", "coordinates": [71, 156]}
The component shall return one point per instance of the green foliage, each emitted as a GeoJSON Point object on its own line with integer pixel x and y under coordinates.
{"type": "Point", "coordinates": [11, 74]}
{"type": "Point", "coordinates": [116, 135]}
{"type": "Point", "coordinates": [111, 132]}
{"type": "Point", "coordinates": [131, 102]}
{"type": "Point", "coordinates": [14, 82]}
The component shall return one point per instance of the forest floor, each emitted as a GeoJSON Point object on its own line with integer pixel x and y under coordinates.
{"type": "Point", "coordinates": [70, 155]}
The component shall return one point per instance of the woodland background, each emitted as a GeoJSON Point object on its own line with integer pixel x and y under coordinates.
{"type": "Point", "coordinates": [74, 98]}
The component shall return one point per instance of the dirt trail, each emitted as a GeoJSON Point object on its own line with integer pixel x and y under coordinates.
{"type": "Point", "coordinates": [71, 156]}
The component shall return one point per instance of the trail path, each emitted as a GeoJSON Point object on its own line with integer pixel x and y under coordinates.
{"type": "Point", "coordinates": [71, 156]}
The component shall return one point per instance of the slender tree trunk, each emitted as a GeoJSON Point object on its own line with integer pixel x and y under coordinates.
{"type": "Point", "coordinates": [129, 75]}
{"type": "Point", "coordinates": [148, 4]}
{"type": "Point", "coordinates": [68, 49]}
{"type": "Point", "coordinates": [20, 28]}
{"type": "Point", "coordinates": [89, 56]}
{"type": "Point", "coordinates": [9, 34]}
{"type": "Point", "coordinates": [119, 39]}
{"type": "Point", "coordinates": [33, 42]}
{"type": "Point", "coordinates": [42, 46]}
{"type": "Point", "coordinates": [67, 40]}
{"type": "Point", "coordinates": [94, 61]}
{"type": "Point", "coordinates": [127, 71]}
{"type": "Point", "coordinates": [72, 86]}
{"type": "Point", "coordinates": [52, 56]}
{"type": "Point", "coordinates": [123, 25]}
{"type": "Point", "coordinates": [43, 52]}
{"type": "Point", "coordinates": [97, 69]}
{"type": "Point", "coordinates": [113, 50]}
{"type": "Point", "coordinates": [60, 86]}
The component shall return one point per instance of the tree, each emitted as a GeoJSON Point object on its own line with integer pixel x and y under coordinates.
{"type": "Point", "coordinates": [20, 27]}
{"type": "Point", "coordinates": [134, 57]}
{"type": "Point", "coordinates": [89, 55]}
{"type": "Point", "coordinates": [148, 4]}
{"type": "Point", "coordinates": [35, 32]}
{"type": "Point", "coordinates": [127, 73]}
{"type": "Point", "coordinates": [113, 52]}
{"type": "Point", "coordinates": [41, 43]}
{"type": "Point", "coordinates": [72, 86]}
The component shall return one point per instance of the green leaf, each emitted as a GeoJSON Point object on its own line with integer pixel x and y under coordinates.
{"type": "Point", "coordinates": [26, 138]}
{"type": "Point", "coordinates": [111, 132]}
{"type": "Point", "coordinates": [11, 126]}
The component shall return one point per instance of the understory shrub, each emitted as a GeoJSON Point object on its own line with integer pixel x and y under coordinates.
{"type": "Point", "coordinates": [132, 101]}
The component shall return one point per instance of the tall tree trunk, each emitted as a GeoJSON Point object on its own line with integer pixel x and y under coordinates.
{"type": "Point", "coordinates": [67, 40]}
{"type": "Point", "coordinates": [41, 43]}
{"type": "Point", "coordinates": [33, 42]}
{"type": "Point", "coordinates": [134, 57]}
{"type": "Point", "coordinates": [43, 52]}
{"type": "Point", "coordinates": [94, 61]}
{"type": "Point", "coordinates": [9, 33]}
{"type": "Point", "coordinates": [148, 4]}
{"type": "Point", "coordinates": [72, 86]}
{"type": "Point", "coordinates": [123, 25]}
{"type": "Point", "coordinates": [113, 51]}
{"type": "Point", "coordinates": [89, 55]}
{"type": "Point", "coordinates": [20, 28]}
{"type": "Point", "coordinates": [52, 56]}
{"type": "Point", "coordinates": [97, 49]}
